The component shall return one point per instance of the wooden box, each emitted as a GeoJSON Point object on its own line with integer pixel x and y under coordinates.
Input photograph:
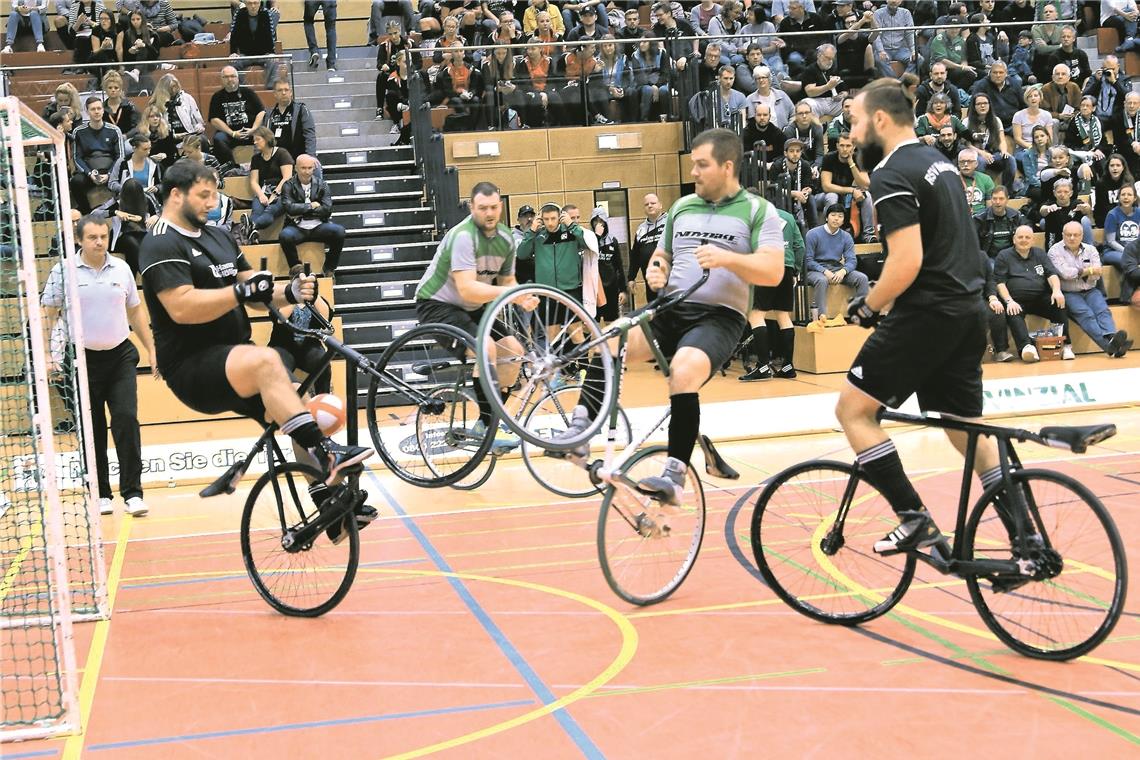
{"type": "Point", "coordinates": [1049, 347]}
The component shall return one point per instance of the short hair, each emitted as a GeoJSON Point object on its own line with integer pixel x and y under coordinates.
{"type": "Point", "coordinates": [663, 8]}
{"type": "Point", "coordinates": [998, 64]}
{"type": "Point", "coordinates": [711, 45]}
{"type": "Point", "coordinates": [484, 188]}
{"type": "Point", "coordinates": [1000, 189]}
{"type": "Point", "coordinates": [726, 67]}
{"type": "Point", "coordinates": [825, 46]}
{"type": "Point", "coordinates": [569, 207]}
{"type": "Point", "coordinates": [844, 136]}
{"type": "Point", "coordinates": [184, 174]}
{"type": "Point", "coordinates": [1062, 183]}
{"type": "Point", "coordinates": [761, 71]}
{"type": "Point", "coordinates": [265, 133]}
{"type": "Point", "coordinates": [753, 46]}
{"type": "Point", "coordinates": [888, 96]}
{"type": "Point", "coordinates": [834, 208]}
{"type": "Point", "coordinates": [94, 218]}
{"type": "Point", "coordinates": [725, 145]}
{"type": "Point", "coordinates": [92, 101]}
{"type": "Point", "coordinates": [967, 153]}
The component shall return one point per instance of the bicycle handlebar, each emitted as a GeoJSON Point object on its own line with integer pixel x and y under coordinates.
{"type": "Point", "coordinates": [324, 328]}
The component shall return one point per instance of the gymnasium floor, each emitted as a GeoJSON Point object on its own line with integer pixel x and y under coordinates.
{"type": "Point", "coordinates": [480, 626]}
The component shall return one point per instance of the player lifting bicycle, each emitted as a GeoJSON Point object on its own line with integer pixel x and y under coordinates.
{"type": "Point", "coordinates": [197, 285]}
{"type": "Point", "coordinates": [932, 341]}
{"type": "Point", "coordinates": [739, 238]}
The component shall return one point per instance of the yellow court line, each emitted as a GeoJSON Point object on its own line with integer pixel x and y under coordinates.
{"type": "Point", "coordinates": [14, 569]}
{"type": "Point", "coordinates": [73, 749]}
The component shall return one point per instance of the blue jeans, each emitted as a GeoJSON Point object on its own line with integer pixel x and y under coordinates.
{"type": "Point", "coordinates": [329, 8]}
{"type": "Point", "coordinates": [262, 215]}
{"type": "Point", "coordinates": [1007, 169]}
{"type": "Point", "coordinates": [17, 22]}
{"type": "Point", "coordinates": [329, 233]}
{"type": "Point", "coordinates": [1089, 310]}
{"type": "Point", "coordinates": [647, 100]}
{"type": "Point", "coordinates": [902, 55]}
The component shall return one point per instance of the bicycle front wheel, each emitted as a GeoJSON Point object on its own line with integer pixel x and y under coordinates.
{"type": "Point", "coordinates": [1072, 602]}
{"type": "Point", "coordinates": [536, 352]}
{"type": "Point", "coordinates": [420, 410]}
{"type": "Point", "coordinates": [304, 579]}
{"type": "Point", "coordinates": [647, 548]}
{"type": "Point", "coordinates": [559, 475]}
{"type": "Point", "coordinates": [828, 572]}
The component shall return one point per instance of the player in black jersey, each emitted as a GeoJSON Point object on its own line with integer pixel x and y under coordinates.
{"type": "Point", "coordinates": [931, 343]}
{"type": "Point", "coordinates": [197, 283]}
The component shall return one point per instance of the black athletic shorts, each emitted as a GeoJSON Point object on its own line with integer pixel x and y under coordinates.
{"type": "Point", "coordinates": [779, 297]}
{"type": "Point", "coordinates": [715, 330]}
{"type": "Point", "coordinates": [560, 315]}
{"type": "Point", "coordinates": [431, 311]}
{"type": "Point", "coordinates": [932, 353]}
{"type": "Point", "coordinates": [200, 382]}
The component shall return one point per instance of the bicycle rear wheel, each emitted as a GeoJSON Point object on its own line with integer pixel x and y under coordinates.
{"type": "Point", "coordinates": [647, 548]}
{"type": "Point", "coordinates": [544, 354]}
{"type": "Point", "coordinates": [562, 476]}
{"type": "Point", "coordinates": [420, 419]}
{"type": "Point", "coordinates": [829, 575]}
{"type": "Point", "coordinates": [1069, 608]}
{"type": "Point", "coordinates": [311, 576]}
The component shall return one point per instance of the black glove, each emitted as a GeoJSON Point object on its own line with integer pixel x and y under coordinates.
{"type": "Point", "coordinates": [258, 288]}
{"type": "Point", "coordinates": [859, 313]}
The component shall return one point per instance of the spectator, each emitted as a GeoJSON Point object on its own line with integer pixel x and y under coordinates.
{"type": "Point", "coordinates": [1120, 15]}
{"type": "Point", "coordinates": [138, 166]}
{"type": "Point", "coordinates": [461, 87]}
{"type": "Point", "coordinates": [1046, 40]}
{"type": "Point", "coordinates": [831, 260]}
{"type": "Point", "coordinates": [937, 116]}
{"type": "Point", "coordinates": [937, 85]}
{"type": "Point", "coordinates": [160, 17]}
{"type": "Point", "coordinates": [709, 69]}
{"type": "Point", "coordinates": [702, 15]}
{"type": "Point", "coordinates": [762, 129]}
{"type": "Point", "coordinates": [449, 38]}
{"type": "Point", "coordinates": [252, 35]}
{"type": "Point", "coordinates": [762, 32]}
{"type": "Point", "coordinates": [753, 57]}
{"type": "Point", "coordinates": [800, 48]}
{"type": "Point", "coordinates": [669, 27]}
{"type": "Point", "coordinates": [799, 178]}
{"type": "Point", "coordinates": [1060, 98]}
{"type": "Point", "coordinates": [574, 68]}
{"type": "Point", "coordinates": [1004, 95]}
{"type": "Point", "coordinates": [949, 144]}
{"type": "Point", "coordinates": [138, 44]}
{"type": "Point", "coordinates": [611, 273]}
{"type": "Point", "coordinates": [1070, 164]}
{"type": "Point", "coordinates": [1085, 132]}
{"type": "Point", "coordinates": [328, 11]}
{"type": "Point", "coordinates": [770, 318]}
{"type": "Point", "coordinates": [1027, 283]}
{"type": "Point", "coordinates": [526, 221]}
{"type": "Point", "coordinates": [1105, 88]}
{"type": "Point", "coordinates": [269, 169]}
{"type": "Point", "coordinates": [531, 14]}
{"type": "Point", "coordinates": [650, 69]}
{"type": "Point", "coordinates": [388, 53]}
{"type": "Point", "coordinates": [1063, 210]}
{"type": "Point", "coordinates": [727, 24]}
{"type": "Point", "coordinates": [1029, 117]}
{"type": "Point", "coordinates": [589, 29]}
{"type": "Point", "coordinates": [895, 46]}
{"type": "Point", "coordinates": [949, 48]}
{"type": "Point", "coordinates": [1033, 161]}
{"type": "Point", "coordinates": [614, 77]}
{"type": "Point", "coordinates": [305, 353]}
{"type": "Point", "coordinates": [824, 88]}
{"type": "Point", "coordinates": [1106, 187]}
{"type": "Point", "coordinates": [629, 34]}
{"type": "Point", "coordinates": [118, 110]}
{"type": "Point", "coordinates": [809, 134]}
{"type": "Point", "coordinates": [978, 185]}
{"type": "Point", "coordinates": [179, 108]}
{"type": "Point", "coordinates": [997, 224]}
{"type": "Point", "coordinates": [110, 311]}
{"type": "Point", "coordinates": [844, 184]}
{"type": "Point", "coordinates": [984, 47]}
{"type": "Point", "coordinates": [841, 123]}
{"type": "Point", "coordinates": [1074, 58]}
{"type": "Point", "coordinates": [573, 8]}
{"type": "Point", "coordinates": [235, 111]}
{"type": "Point", "coordinates": [984, 134]}
{"type": "Point", "coordinates": [66, 96]}
{"type": "Point", "coordinates": [776, 99]}
{"type": "Point", "coordinates": [163, 145]}
{"type": "Point", "coordinates": [855, 55]}
{"type": "Point", "coordinates": [27, 16]}
{"type": "Point", "coordinates": [778, 9]}
{"type": "Point", "coordinates": [307, 201]}
{"type": "Point", "coordinates": [722, 107]}
{"type": "Point", "coordinates": [556, 248]}
{"type": "Point", "coordinates": [131, 214]}
{"type": "Point", "coordinates": [76, 33]}
{"type": "Point", "coordinates": [1020, 58]}
{"type": "Point", "coordinates": [1121, 228]}
{"type": "Point", "coordinates": [194, 148]}
{"type": "Point", "coordinates": [407, 18]}
{"type": "Point", "coordinates": [1078, 265]}
{"type": "Point", "coordinates": [104, 42]}
{"type": "Point", "coordinates": [98, 146]}
{"type": "Point", "coordinates": [291, 122]}
{"type": "Point", "coordinates": [1019, 12]}
{"type": "Point", "coordinates": [646, 240]}
{"type": "Point", "coordinates": [1130, 276]}
{"type": "Point", "coordinates": [542, 104]}
{"type": "Point", "coordinates": [546, 34]}
{"type": "Point", "coordinates": [501, 92]}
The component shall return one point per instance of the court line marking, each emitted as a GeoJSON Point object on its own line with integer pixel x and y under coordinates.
{"type": "Point", "coordinates": [73, 748]}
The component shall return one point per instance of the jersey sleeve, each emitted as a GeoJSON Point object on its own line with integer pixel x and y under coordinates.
{"type": "Point", "coordinates": [462, 253]}
{"type": "Point", "coordinates": [895, 201]}
{"type": "Point", "coordinates": [164, 266]}
{"type": "Point", "coordinates": [508, 267]}
{"type": "Point", "coordinates": [665, 242]}
{"type": "Point", "coordinates": [53, 289]}
{"type": "Point", "coordinates": [767, 228]}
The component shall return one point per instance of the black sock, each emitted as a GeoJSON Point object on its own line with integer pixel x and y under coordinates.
{"type": "Point", "coordinates": [303, 429]}
{"type": "Point", "coordinates": [759, 344]}
{"type": "Point", "coordinates": [593, 388]}
{"type": "Point", "coordinates": [788, 341]}
{"type": "Point", "coordinates": [884, 469]}
{"type": "Point", "coordinates": [684, 425]}
{"type": "Point", "coordinates": [773, 334]}
{"type": "Point", "coordinates": [485, 411]}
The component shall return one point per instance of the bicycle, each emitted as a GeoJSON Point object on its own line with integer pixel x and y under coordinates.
{"type": "Point", "coordinates": [646, 548]}
{"type": "Point", "coordinates": [1039, 553]}
{"type": "Point", "coordinates": [292, 567]}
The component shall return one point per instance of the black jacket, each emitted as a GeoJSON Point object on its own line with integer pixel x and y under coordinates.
{"type": "Point", "coordinates": [246, 43]}
{"type": "Point", "coordinates": [984, 223]}
{"type": "Point", "coordinates": [293, 200]}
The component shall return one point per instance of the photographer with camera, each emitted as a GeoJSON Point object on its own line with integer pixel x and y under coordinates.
{"type": "Point", "coordinates": [1106, 88]}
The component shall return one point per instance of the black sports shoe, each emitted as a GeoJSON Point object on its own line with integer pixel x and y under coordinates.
{"type": "Point", "coordinates": [1119, 344]}
{"type": "Point", "coordinates": [763, 372]}
{"type": "Point", "coordinates": [787, 371]}
{"type": "Point", "coordinates": [916, 530]}
{"type": "Point", "coordinates": [361, 512]}
{"type": "Point", "coordinates": [336, 460]}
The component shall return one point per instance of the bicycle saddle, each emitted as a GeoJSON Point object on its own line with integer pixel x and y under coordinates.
{"type": "Point", "coordinates": [1077, 438]}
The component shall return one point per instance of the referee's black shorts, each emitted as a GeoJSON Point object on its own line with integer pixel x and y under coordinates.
{"type": "Point", "coordinates": [933, 353]}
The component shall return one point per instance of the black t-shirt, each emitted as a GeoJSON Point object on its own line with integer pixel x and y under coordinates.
{"type": "Point", "coordinates": [1055, 222]}
{"type": "Point", "coordinates": [237, 109]}
{"type": "Point", "coordinates": [915, 184]}
{"type": "Point", "coordinates": [841, 173]}
{"type": "Point", "coordinates": [170, 257]}
{"type": "Point", "coordinates": [280, 123]}
{"type": "Point", "coordinates": [814, 76]}
{"type": "Point", "coordinates": [1025, 278]}
{"type": "Point", "coordinates": [269, 170]}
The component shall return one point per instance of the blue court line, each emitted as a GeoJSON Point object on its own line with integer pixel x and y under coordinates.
{"type": "Point", "coordinates": [37, 753]}
{"type": "Point", "coordinates": [310, 724]}
{"type": "Point", "coordinates": [541, 690]}
{"type": "Point", "coordinates": [216, 578]}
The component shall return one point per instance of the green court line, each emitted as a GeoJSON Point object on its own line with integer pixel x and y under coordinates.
{"type": "Point", "coordinates": [1107, 725]}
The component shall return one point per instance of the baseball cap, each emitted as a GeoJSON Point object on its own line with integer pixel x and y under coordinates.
{"type": "Point", "coordinates": [793, 141]}
{"type": "Point", "coordinates": [526, 210]}
{"type": "Point", "coordinates": [588, 9]}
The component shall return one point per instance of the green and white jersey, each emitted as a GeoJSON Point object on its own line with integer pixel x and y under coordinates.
{"type": "Point", "coordinates": [742, 223]}
{"type": "Point", "coordinates": [462, 249]}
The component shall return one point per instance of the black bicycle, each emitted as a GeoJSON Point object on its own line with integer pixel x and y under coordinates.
{"type": "Point", "coordinates": [1040, 555]}
{"type": "Point", "coordinates": [302, 556]}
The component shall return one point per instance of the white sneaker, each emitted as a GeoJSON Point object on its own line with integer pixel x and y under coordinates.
{"type": "Point", "coordinates": [136, 507]}
{"type": "Point", "coordinates": [7, 50]}
{"type": "Point", "coordinates": [1029, 354]}
{"type": "Point", "coordinates": [1067, 353]}
{"type": "Point", "coordinates": [106, 506]}
{"type": "Point", "coordinates": [40, 48]}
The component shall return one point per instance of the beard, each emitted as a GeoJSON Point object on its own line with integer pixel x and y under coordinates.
{"type": "Point", "coordinates": [192, 222]}
{"type": "Point", "coordinates": [870, 151]}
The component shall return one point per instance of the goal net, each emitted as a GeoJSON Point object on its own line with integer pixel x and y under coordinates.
{"type": "Point", "coordinates": [51, 561]}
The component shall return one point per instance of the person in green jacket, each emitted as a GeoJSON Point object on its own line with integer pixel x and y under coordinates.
{"type": "Point", "coordinates": [771, 315]}
{"type": "Point", "coordinates": [555, 244]}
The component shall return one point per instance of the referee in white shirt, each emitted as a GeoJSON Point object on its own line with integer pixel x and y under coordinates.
{"type": "Point", "coordinates": [110, 306]}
